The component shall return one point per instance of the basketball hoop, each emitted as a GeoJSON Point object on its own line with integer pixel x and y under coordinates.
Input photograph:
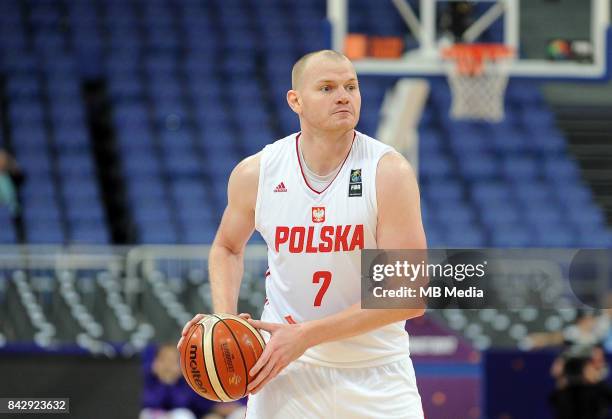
{"type": "Point", "coordinates": [478, 76]}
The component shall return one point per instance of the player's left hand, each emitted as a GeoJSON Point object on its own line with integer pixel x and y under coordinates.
{"type": "Point", "coordinates": [286, 344]}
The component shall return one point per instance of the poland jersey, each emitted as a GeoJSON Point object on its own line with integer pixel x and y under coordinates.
{"type": "Point", "coordinates": [314, 241]}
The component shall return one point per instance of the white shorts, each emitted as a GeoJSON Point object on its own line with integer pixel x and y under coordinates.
{"type": "Point", "coordinates": [305, 391]}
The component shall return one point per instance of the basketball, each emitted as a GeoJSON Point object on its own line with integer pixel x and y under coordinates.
{"type": "Point", "coordinates": [218, 354]}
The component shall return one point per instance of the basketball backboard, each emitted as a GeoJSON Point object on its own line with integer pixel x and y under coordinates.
{"type": "Point", "coordinates": [554, 39]}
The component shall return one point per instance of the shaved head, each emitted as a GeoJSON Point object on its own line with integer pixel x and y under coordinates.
{"type": "Point", "coordinates": [300, 65]}
{"type": "Point", "coordinates": [325, 92]}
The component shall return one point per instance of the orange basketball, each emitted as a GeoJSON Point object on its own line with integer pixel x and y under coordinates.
{"type": "Point", "coordinates": [217, 355]}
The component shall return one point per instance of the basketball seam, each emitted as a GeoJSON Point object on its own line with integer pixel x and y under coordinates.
{"type": "Point", "coordinates": [206, 369]}
{"type": "Point", "coordinates": [212, 332]}
{"type": "Point", "coordinates": [255, 332]}
{"type": "Point", "coordinates": [246, 372]}
{"type": "Point", "coordinates": [211, 367]}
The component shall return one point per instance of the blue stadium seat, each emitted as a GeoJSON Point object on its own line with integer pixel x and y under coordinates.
{"type": "Point", "coordinates": [81, 188]}
{"type": "Point", "coordinates": [31, 137]}
{"type": "Point", "coordinates": [35, 162]}
{"type": "Point", "coordinates": [594, 239]}
{"type": "Point", "coordinates": [147, 189]}
{"type": "Point", "coordinates": [461, 237]}
{"type": "Point", "coordinates": [523, 93]}
{"type": "Point", "coordinates": [537, 116]}
{"type": "Point", "coordinates": [242, 65]}
{"type": "Point", "coordinates": [507, 142]}
{"type": "Point", "coordinates": [430, 138]}
{"type": "Point", "coordinates": [554, 235]}
{"type": "Point", "coordinates": [89, 209]}
{"type": "Point", "coordinates": [145, 166]}
{"type": "Point", "coordinates": [543, 214]}
{"type": "Point", "coordinates": [165, 40]}
{"type": "Point", "coordinates": [586, 215]}
{"type": "Point", "coordinates": [17, 61]}
{"type": "Point", "coordinates": [119, 64]}
{"type": "Point", "coordinates": [468, 142]}
{"type": "Point", "coordinates": [511, 236]}
{"type": "Point", "coordinates": [240, 41]}
{"type": "Point", "coordinates": [546, 141]}
{"type": "Point", "coordinates": [165, 88]}
{"type": "Point", "coordinates": [44, 233]}
{"type": "Point", "coordinates": [212, 144]}
{"type": "Point", "coordinates": [125, 90]}
{"type": "Point", "coordinates": [496, 214]}
{"type": "Point", "coordinates": [478, 166]}
{"type": "Point", "coordinates": [67, 139]}
{"type": "Point", "coordinates": [444, 190]}
{"type": "Point", "coordinates": [55, 63]}
{"type": "Point", "coordinates": [215, 117]}
{"type": "Point", "coordinates": [520, 169]}
{"type": "Point", "coordinates": [76, 165]}
{"type": "Point", "coordinates": [64, 86]}
{"type": "Point", "coordinates": [7, 232]}
{"type": "Point", "coordinates": [221, 167]}
{"type": "Point", "coordinates": [455, 214]}
{"type": "Point", "coordinates": [136, 141]}
{"type": "Point", "coordinates": [97, 234]}
{"type": "Point", "coordinates": [186, 165]}
{"type": "Point", "coordinates": [201, 68]}
{"type": "Point", "coordinates": [188, 189]}
{"type": "Point", "coordinates": [440, 167]}
{"type": "Point", "coordinates": [49, 212]}
{"type": "Point", "coordinates": [560, 169]}
{"type": "Point", "coordinates": [195, 233]}
{"type": "Point", "coordinates": [201, 40]}
{"type": "Point", "coordinates": [176, 140]}
{"type": "Point", "coordinates": [489, 192]}
{"type": "Point", "coordinates": [573, 194]}
{"type": "Point", "coordinates": [529, 192]}
{"type": "Point", "coordinates": [28, 112]}
{"type": "Point", "coordinates": [158, 234]}
{"type": "Point", "coordinates": [23, 86]}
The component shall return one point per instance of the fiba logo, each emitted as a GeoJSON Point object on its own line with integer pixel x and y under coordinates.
{"type": "Point", "coordinates": [234, 379]}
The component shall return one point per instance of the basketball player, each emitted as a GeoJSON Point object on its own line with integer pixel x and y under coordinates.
{"type": "Point", "coordinates": [318, 197]}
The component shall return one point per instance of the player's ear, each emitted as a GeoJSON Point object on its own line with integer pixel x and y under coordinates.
{"type": "Point", "coordinates": [293, 99]}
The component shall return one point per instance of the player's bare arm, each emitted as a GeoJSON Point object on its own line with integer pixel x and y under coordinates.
{"type": "Point", "coordinates": [399, 227]}
{"type": "Point", "coordinates": [225, 262]}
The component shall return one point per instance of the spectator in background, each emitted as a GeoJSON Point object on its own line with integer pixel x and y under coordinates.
{"type": "Point", "coordinates": [455, 19]}
{"type": "Point", "coordinates": [166, 395]}
{"type": "Point", "coordinates": [589, 329]}
{"type": "Point", "coordinates": [10, 178]}
{"type": "Point", "coordinates": [581, 389]}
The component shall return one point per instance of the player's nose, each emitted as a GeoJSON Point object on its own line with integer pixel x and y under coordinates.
{"type": "Point", "coordinates": [343, 97]}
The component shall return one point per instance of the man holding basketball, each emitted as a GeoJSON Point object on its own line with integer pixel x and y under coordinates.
{"type": "Point", "coordinates": [318, 197]}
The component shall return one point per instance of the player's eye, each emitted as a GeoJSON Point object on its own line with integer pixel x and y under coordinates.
{"type": "Point", "coordinates": [351, 87]}
{"type": "Point", "coordinates": [326, 88]}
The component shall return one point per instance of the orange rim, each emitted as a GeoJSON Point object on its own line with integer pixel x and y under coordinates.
{"type": "Point", "coordinates": [470, 59]}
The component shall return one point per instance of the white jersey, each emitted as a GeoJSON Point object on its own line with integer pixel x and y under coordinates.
{"type": "Point", "coordinates": [314, 241]}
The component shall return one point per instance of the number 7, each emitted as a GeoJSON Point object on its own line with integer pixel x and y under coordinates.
{"type": "Point", "coordinates": [326, 276]}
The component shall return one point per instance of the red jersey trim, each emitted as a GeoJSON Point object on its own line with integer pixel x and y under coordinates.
{"type": "Point", "coordinates": [297, 152]}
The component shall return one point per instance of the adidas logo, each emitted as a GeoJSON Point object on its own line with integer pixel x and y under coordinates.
{"type": "Point", "coordinates": [280, 187]}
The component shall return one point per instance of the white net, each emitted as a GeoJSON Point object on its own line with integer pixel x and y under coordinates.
{"type": "Point", "coordinates": [478, 86]}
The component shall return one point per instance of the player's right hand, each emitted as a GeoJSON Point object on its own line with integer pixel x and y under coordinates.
{"type": "Point", "coordinates": [188, 325]}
